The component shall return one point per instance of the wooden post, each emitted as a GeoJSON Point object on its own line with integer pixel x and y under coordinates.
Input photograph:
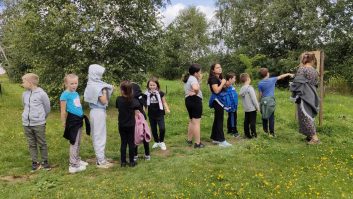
{"type": "Point", "coordinates": [322, 89]}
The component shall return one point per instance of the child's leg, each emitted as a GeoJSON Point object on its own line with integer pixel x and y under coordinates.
{"type": "Point", "coordinates": [42, 143]}
{"type": "Point", "coordinates": [153, 123]}
{"type": "Point", "coordinates": [124, 140]}
{"type": "Point", "coordinates": [272, 123]}
{"type": "Point", "coordinates": [130, 142]}
{"type": "Point", "coordinates": [230, 122]}
{"type": "Point", "coordinates": [147, 147]}
{"type": "Point", "coordinates": [265, 125]}
{"type": "Point", "coordinates": [253, 123]}
{"type": "Point", "coordinates": [161, 126]}
{"type": "Point", "coordinates": [99, 133]}
{"type": "Point", "coordinates": [32, 143]}
{"type": "Point", "coordinates": [235, 122]}
{"type": "Point", "coordinates": [74, 151]}
{"type": "Point", "coordinates": [246, 125]}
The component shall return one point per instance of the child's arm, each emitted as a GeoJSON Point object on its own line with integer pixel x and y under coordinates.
{"type": "Point", "coordinates": [104, 98]}
{"type": "Point", "coordinates": [46, 103]}
{"type": "Point", "coordinates": [166, 107]}
{"type": "Point", "coordinates": [285, 75]}
{"type": "Point", "coordinates": [63, 113]}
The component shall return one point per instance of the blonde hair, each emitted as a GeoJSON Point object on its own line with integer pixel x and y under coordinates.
{"type": "Point", "coordinates": [70, 76]}
{"type": "Point", "coordinates": [244, 77]}
{"type": "Point", "coordinates": [32, 78]}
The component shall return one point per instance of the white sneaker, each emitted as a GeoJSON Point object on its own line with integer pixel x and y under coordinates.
{"type": "Point", "coordinates": [136, 158]}
{"type": "Point", "coordinates": [224, 144]}
{"type": "Point", "coordinates": [147, 157]}
{"type": "Point", "coordinates": [105, 165]}
{"type": "Point", "coordinates": [163, 146]}
{"type": "Point", "coordinates": [155, 145]}
{"type": "Point", "coordinates": [83, 163]}
{"type": "Point", "coordinates": [215, 142]}
{"type": "Point", "coordinates": [77, 169]}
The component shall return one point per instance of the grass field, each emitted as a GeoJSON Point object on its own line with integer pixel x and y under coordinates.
{"type": "Point", "coordinates": [281, 167]}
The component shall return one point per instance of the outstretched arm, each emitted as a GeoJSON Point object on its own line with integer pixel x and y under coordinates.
{"type": "Point", "coordinates": [285, 75]}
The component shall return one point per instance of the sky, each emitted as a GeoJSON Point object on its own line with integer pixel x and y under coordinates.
{"type": "Point", "coordinates": [172, 10]}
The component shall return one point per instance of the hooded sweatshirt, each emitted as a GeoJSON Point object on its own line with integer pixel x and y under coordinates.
{"type": "Point", "coordinates": [248, 95]}
{"type": "Point", "coordinates": [36, 107]}
{"type": "Point", "coordinates": [95, 85]}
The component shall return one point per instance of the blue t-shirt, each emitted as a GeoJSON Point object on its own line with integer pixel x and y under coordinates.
{"type": "Point", "coordinates": [267, 87]}
{"type": "Point", "coordinates": [73, 103]}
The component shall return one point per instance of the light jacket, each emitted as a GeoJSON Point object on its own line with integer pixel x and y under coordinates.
{"type": "Point", "coordinates": [142, 131]}
{"type": "Point", "coordinates": [36, 107]}
{"type": "Point", "coordinates": [248, 95]}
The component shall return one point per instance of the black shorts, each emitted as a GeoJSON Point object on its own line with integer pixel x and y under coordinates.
{"type": "Point", "coordinates": [194, 106]}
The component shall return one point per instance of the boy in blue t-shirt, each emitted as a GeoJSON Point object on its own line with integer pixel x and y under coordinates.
{"type": "Point", "coordinates": [71, 118]}
{"type": "Point", "coordinates": [266, 94]}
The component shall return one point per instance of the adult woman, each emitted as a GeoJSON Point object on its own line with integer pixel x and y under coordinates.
{"type": "Point", "coordinates": [193, 102]}
{"type": "Point", "coordinates": [305, 95]}
{"type": "Point", "coordinates": [217, 83]}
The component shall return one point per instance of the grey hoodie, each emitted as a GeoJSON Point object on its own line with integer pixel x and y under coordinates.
{"type": "Point", "coordinates": [248, 95]}
{"type": "Point", "coordinates": [36, 107]}
{"type": "Point", "coordinates": [95, 84]}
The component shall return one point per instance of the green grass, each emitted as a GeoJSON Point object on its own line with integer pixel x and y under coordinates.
{"type": "Point", "coordinates": [282, 167]}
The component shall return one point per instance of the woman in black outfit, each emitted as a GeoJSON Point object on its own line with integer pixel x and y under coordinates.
{"type": "Point", "coordinates": [217, 83]}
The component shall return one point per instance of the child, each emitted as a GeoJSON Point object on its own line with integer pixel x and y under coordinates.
{"type": "Point", "coordinates": [97, 94]}
{"type": "Point", "coordinates": [232, 98]}
{"type": "Point", "coordinates": [267, 99]}
{"type": "Point", "coordinates": [127, 106]}
{"type": "Point", "coordinates": [250, 105]}
{"type": "Point", "coordinates": [36, 109]}
{"type": "Point", "coordinates": [157, 106]}
{"type": "Point", "coordinates": [141, 97]}
{"type": "Point", "coordinates": [71, 118]}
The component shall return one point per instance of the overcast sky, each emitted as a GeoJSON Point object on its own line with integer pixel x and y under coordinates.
{"type": "Point", "coordinates": [172, 10]}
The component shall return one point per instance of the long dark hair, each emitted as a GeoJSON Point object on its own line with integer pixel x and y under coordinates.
{"type": "Point", "coordinates": [194, 68]}
{"type": "Point", "coordinates": [126, 87]}
{"type": "Point", "coordinates": [155, 80]}
{"type": "Point", "coordinates": [211, 75]}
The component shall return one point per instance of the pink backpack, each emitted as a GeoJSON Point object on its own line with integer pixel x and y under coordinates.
{"type": "Point", "coordinates": [142, 131]}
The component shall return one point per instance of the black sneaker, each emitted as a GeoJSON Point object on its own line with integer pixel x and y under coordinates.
{"type": "Point", "coordinates": [189, 142]}
{"type": "Point", "coordinates": [236, 135]}
{"type": "Point", "coordinates": [36, 166]}
{"type": "Point", "coordinates": [198, 146]}
{"type": "Point", "coordinates": [46, 166]}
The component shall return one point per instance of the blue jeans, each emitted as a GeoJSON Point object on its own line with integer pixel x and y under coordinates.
{"type": "Point", "coordinates": [269, 124]}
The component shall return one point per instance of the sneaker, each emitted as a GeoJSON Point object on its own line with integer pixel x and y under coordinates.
{"type": "Point", "coordinates": [163, 146]}
{"type": "Point", "coordinates": [215, 142]}
{"type": "Point", "coordinates": [46, 166]}
{"type": "Point", "coordinates": [83, 163]}
{"type": "Point", "coordinates": [147, 157]}
{"type": "Point", "coordinates": [224, 144]}
{"type": "Point", "coordinates": [198, 146]}
{"type": "Point", "coordinates": [132, 164]}
{"type": "Point", "coordinates": [236, 135]}
{"type": "Point", "coordinates": [105, 165]}
{"type": "Point", "coordinates": [155, 145]}
{"type": "Point", "coordinates": [77, 169]}
{"type": "Point", "coordinates": [36, 166]}
{"type": "Point", "coordinates": [136, 158]}
{"type": "Point", "coordinates": [188, 142]}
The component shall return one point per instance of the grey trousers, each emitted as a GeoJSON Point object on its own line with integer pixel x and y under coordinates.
{"type": "Point", "coordinates": [75, 150]}
{"type": "Point", "coordinates": [36, 138]}
{"type": "Point", "coordinates": [99, 133]}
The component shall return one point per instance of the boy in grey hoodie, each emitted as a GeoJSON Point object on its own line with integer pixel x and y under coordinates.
{"type": "Point", "coordinates": [250, 105]}
{"type": "Point", "coordinates": [36, 109]}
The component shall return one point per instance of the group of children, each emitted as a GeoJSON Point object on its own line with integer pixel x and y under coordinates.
{"type": "Point", "coordinates": [97, 94]}
{"type": "Point", "coordinates": [132, 103]}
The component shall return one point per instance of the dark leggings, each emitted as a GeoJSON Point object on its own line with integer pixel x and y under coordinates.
{"type": "Point", "coordinates": [217, 127]}
{"type": "Point", "coordinates": [250, 120]}
{"type": "Point", "coordinates": [146, 146]}
{"type": "Point", "coordinates": [160, 122]}
{"type": "Point", "coordinates": [127, 138]}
